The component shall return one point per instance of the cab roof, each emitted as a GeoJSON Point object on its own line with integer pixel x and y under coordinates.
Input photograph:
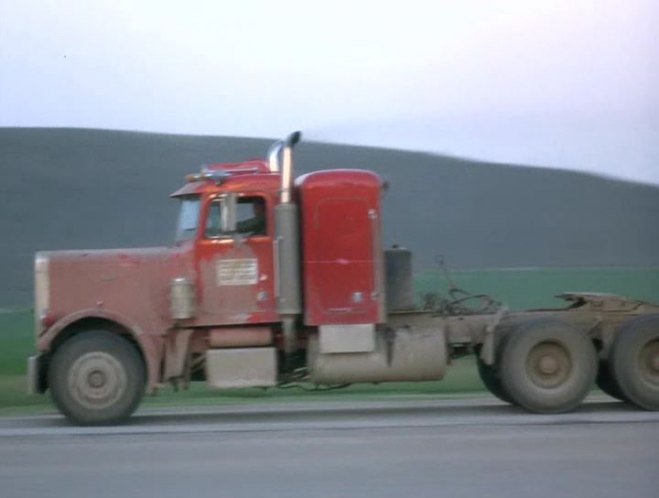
{"type": "Point", "coordinates": [221, 177]}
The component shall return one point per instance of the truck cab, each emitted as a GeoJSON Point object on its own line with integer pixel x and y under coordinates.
{"type": "Point", "coordinates": [226, 225]}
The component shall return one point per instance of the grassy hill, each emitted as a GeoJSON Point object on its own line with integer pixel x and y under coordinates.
{"type": "Point", "coordinates": [72, 188]}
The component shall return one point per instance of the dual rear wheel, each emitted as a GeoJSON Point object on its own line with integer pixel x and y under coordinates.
{"type": "Point", "coordinates": [543, 365]}
{"type": "Point", "coordinates": [633, 363]}
{"type": "Point", "coordinates": [547, 366]}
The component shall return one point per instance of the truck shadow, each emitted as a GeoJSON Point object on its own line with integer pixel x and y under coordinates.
{"type": "Point", "coordinates": [377, 414]}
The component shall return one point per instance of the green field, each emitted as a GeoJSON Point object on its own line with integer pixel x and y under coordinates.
{"type": "Point", "coordinates": [518, 288]}
{"type": "Point", "coordinates": [522, 288]}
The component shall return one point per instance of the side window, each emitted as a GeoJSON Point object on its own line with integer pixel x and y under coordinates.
{"type": "Point", "coordinates": [250, 217]}
{"type": "Point", "coordinates": [214, 219]}
{"type": "Point", "coordinates": [188, 218]}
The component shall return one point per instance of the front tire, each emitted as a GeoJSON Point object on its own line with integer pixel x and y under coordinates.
{"type": "Point", "coordinates": [547, 366]}
{"type": "Point", "coordinates": [97, 378]}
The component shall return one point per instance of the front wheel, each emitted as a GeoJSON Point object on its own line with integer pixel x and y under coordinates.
{"type": "Point", "coordinates": [97, 378]}
{"type": "Point", "coordinates": [547, 366]}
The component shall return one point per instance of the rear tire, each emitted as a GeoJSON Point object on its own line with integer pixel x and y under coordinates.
{"type": "Point", "coordinates": [547, 366]}
{"type": "Point", "coordinates": [607, 383]}
{"type": "Point", "coordinates": [97, 378]}
{"type": "Point", "coordinates": [489, 376]}
{"type": "Point", "coordinates": [635, 361]}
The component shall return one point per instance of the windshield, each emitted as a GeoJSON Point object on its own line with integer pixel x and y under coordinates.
{"type": "Point", "coordinates": [188, 218]}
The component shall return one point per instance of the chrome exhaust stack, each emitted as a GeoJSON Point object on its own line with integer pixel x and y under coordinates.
{"type": "Point", "coordinates": [287, 242]}
{"type": "Point", "coordinates": [280, 158]}
{"type": "Point", "coordinates": [273, 156]}
{"type": "Point", "coordinates": [287, 167]}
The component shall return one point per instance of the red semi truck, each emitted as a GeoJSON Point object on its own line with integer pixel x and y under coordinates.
{"type": "Point", "coordinates": [273, 280]}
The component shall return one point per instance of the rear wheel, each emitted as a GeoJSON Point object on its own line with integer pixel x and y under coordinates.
{"type": "Point", "coordinates": [635, 361]}
{"type": "Point", "coordinates": [490, 374]}
{"type": "Point", "coordinates": [97, 378]}
{"type": "Point", "coordinates": [490, 378]}
{"type": "Point", "coordinates": [547, 366]}
{"type": "Point", "coordinates": [607, 383]}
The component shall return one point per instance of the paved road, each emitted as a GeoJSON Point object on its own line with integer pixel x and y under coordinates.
{"type": "Point", "coordinates": [452, 448]}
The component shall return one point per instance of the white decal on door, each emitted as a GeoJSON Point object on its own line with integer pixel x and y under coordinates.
{"type": "Point", "coordinates": [237, 271]}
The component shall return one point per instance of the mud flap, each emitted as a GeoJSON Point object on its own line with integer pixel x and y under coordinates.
{"type": "Point", "coordinates": [35, 375]}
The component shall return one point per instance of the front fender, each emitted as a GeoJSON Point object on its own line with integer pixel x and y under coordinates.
{"type": "Point", "coordinates": [150, 345]}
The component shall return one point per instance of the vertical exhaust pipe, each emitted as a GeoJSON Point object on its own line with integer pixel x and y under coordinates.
{"type": "Point", "coordinates": [287, 166]}
{"type": "Point", "coordinates": [287, 241]}
{"type": "Point", "coordinates": [280, 158]}
{"type": "Point", "coordinates": [273, 156]}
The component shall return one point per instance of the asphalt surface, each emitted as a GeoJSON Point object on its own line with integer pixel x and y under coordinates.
{"type": "Point", "coordinates": [454, 448]}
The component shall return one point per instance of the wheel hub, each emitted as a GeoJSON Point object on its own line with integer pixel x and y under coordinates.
{"type": "Point", "coordinates": [548, 365]}
{"type": "Point", "coordinates": [97, 380]}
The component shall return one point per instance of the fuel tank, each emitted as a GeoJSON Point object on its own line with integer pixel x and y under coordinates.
{"type": "Point", "coordinates": [401, 353]}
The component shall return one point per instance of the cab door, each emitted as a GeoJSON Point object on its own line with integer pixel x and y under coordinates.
{"type": "Point", "coordinates": [234, 260]}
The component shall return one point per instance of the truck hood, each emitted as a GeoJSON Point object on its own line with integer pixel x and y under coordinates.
{"type": "Point", "coordinates": [132, 283]}
{"type": "Point", "coordinates": [125, 256]}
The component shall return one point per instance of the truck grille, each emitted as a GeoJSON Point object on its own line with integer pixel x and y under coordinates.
{"type": "Point", "coordinates": [41, 290]}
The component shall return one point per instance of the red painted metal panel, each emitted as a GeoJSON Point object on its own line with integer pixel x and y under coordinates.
{"type": "Point", "coordinates": [223, 298]}
{"type": "Point", "coordinates": [340, 246]}
{"type": "Point", "coordinates": [126, 286]}
{"type": "Point", "coordinates": [230, 303]}
{"type": "Point", "coordinates": [134, 284]}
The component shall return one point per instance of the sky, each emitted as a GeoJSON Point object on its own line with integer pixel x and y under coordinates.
{"type": "Point", "coordinates": [564, 83]}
